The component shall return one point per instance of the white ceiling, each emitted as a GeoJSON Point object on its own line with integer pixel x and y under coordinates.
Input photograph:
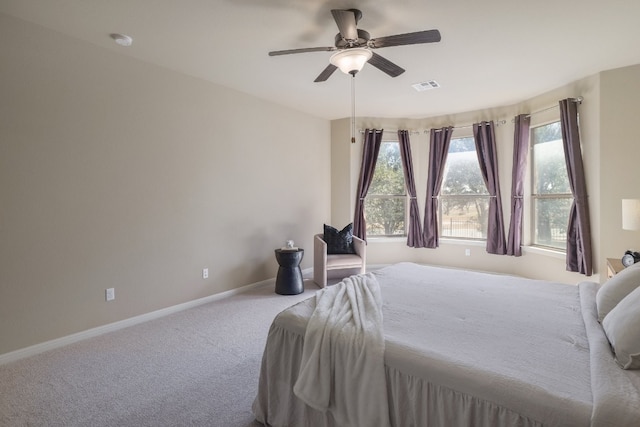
{"type": "Point", "coordinates": [492, 53]}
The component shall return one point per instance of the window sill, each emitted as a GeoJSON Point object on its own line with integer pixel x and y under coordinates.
{"type": "Point", "coordinates": [544, 251]}
{"type": "Point", "coordinates": [394, 239]}
{"type": "Point", "coordinates": [479, 243]}
{"type": "Point", "coordinates": [386, 239]}
{"type": "Point", "coordinates": [463, 242]}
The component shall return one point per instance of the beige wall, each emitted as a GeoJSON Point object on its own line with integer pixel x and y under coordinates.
{"type": "Point", "coordinates": [117, 173]}
{"type": "Point", "coordinates": [344, 178]}
{"type": "Point", "coordinates": [610, 154]}
{"type": "Point", "coordinates": [620, 156]}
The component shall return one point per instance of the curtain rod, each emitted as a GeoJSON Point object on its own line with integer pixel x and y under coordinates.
{"type": "Point", "coordinates": [578, 100]}
{"type": "Point", "coordinates": [417, 132]}
{"type": "Point", "coordinates": [497, 122]}
{"type": "Point", "coordinates": [411, 132]}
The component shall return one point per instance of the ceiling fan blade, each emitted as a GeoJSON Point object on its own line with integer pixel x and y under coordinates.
{"type": "Point", "coordinates": [427, 36]}
{"type": "Point", "coordinates": [326, 73]}
{"type": "Point", "coordinates": [346, 21]}
{"type": "Point", "coordinates": [303, 50]}
{"type": "Point", "coordinates": [385, 65]}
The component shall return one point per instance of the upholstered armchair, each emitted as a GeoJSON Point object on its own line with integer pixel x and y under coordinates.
{"type": "Point", "coordinates": [323, 263]}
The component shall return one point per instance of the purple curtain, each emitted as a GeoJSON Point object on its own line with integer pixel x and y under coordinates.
{"type": "Point", "coordinates": [520, 150]}
{"type": "Point", "coordinates": [484, 135]}
{"type": "Point", "coordinates": [372, 141]}
{"type": "Point", "coordinates": [438, 150]}
{"type": "Point", "coordinates": [579, 228]}
{"type": "Point", "coordinates": [414, 232]}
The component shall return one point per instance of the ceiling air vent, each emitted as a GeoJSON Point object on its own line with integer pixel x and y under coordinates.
{"type": "Point", "coordinates": [422, 86]}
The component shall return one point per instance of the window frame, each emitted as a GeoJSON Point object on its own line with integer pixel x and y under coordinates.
{"type": "Point", "coordinates": [442, 197]}
{"type": "Point", "coordinates": [534, 197]}
{"type": "Point", "coordinates": [404, 196]}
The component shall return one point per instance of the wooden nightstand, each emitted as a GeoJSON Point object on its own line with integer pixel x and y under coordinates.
{"type": "Point", "coordinates": [614, 266]}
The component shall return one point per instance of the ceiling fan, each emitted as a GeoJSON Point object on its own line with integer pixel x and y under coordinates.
{"type": "Point", "coordinates": [354, 46]}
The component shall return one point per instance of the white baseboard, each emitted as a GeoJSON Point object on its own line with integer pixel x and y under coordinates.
{"type": "Point", "coordinates": [94, 332]}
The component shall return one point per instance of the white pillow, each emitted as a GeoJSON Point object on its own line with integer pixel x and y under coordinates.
{"type": "Point", "coordinates": [622, 326]}
{"type": "Point", "coordinates": [615, 289]}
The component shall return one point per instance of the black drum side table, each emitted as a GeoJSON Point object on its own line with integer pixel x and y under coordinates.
{"type": "Point", "coordinates": [289, 278]}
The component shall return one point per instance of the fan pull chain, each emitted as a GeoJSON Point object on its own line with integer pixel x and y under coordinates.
{"type": "Point", "coordinates": [353, 108]}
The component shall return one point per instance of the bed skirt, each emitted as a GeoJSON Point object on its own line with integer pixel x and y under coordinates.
{"type": "Point", "coordinates": [413, 401]}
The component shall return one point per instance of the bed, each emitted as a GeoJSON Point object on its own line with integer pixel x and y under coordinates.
{"type": "Point", "coordinates": [465, 348]}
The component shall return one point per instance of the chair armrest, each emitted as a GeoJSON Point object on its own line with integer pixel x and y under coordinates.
{"type": "Point", "coordinates": [319, 245]}
{"type": "Point", "coordinates": [360, 248]}
{"type": "Point", "coordinates": [319, 261]}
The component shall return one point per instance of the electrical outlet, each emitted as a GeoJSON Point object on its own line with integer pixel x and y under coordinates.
{"type": "Point", "coordinates": [467, 252]}
{"type": "Point", "coordinates": [110, 294]}
{"type": "Point", "coordinates": [205, 273]}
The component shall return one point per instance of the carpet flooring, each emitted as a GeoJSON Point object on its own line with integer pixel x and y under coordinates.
{"type": "Point", "coordinates": [197, 367]}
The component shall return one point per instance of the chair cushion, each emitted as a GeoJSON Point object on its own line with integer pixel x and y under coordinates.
{"type": "Point", "coordinates": [343, 261]}
{"type": "Point", "coordinates": [339, 242]}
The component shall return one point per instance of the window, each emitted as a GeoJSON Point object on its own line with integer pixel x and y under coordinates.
{"type": "Point", "coordinates": [551, 194]}
{"type": "Point", "coordinates": [385, 206]}
{"type": "Point", "coordinates": [464, 199]}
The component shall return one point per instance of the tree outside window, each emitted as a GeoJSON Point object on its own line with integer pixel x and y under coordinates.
{"type": "Point", "coordinates": [551, 193]}
{"type": "Point", "coordinates": [464, 199]}
{"type": "Point", "coordinates": [385, 206]}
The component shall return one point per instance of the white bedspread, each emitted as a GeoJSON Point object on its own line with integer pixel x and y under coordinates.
{"type": "Point", "coordinates": [465, 348]}
{"type": "Point", "coordinates": [342, 365]}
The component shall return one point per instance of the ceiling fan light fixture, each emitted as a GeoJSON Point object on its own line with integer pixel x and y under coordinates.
{"type": "Point", "coordinates": [350, 61]}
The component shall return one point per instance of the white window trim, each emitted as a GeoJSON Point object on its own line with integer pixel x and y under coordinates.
{"type": "Point", "coordinates": [406, 205]}
{"type": "Point", "coordinates": [464, 240]}
{"type": "Point", "coordinates": [530, 198]}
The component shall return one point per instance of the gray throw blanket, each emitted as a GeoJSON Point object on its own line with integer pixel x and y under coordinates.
{"type": "Point", "coordinates": [342, 369]}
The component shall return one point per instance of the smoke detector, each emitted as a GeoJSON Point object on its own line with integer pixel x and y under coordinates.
{"type": "Point", "coordinates": [122, 39]}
